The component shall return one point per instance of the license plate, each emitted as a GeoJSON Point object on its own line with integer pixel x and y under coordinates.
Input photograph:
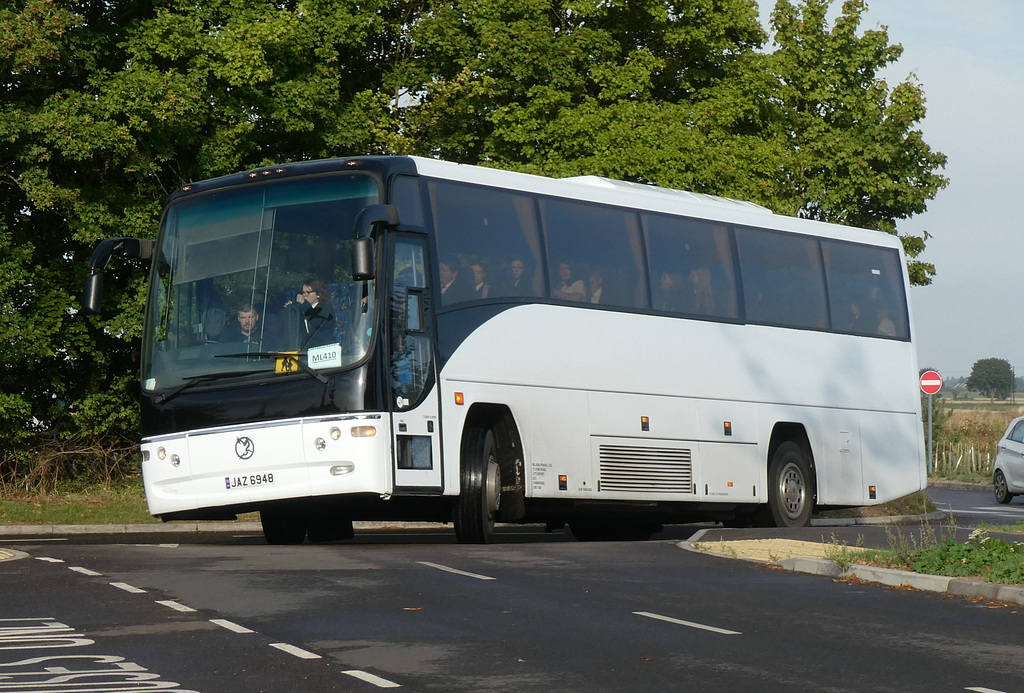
{"type": "Point", "coordinates": [233, 482]}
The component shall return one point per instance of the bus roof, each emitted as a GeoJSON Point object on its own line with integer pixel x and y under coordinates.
{"type": "Point", "coordinates": [648, 197]}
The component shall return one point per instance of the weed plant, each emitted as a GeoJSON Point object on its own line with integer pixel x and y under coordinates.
{"type": "Point", "coordinates": [982, 556]}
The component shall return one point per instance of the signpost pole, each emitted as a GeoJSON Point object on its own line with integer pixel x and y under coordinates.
{"type": "Point", "coordinates": [931, 383]}
{"type": "Point", "coordinates": [930, 458]}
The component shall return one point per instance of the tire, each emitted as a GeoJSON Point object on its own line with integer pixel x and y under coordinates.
{"type": "Point", "coordinates": [283, 526]}
{"type": "Point", "coordinates": [480, 495]}
{"type": "Point", "coordinates": [323, 527]}
{"type": "Point", "coordinates": [613, 530]}
{"type": "Point", "coordinates": [1000, 489]}
{"type": "Point", "coordinates": [790, 488]}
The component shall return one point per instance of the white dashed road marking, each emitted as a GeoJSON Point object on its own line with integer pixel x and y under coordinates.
{"type": "Point", "coordinates": [233, 627]}
{"type": "Point", "coordinates": [295, 651]}
{"type": "Point", "coordinates": [446, 569]}
{"type": "Point", "coordinates": [177, 606]}
{"type": "Point", "coordinates": [688, 624]}
{"type": "Point", "coordinates": [370, 678]}
{"type": "Point", "coordinates": [127, 588]}
{"type": "Point", "coordinates": [84, 571]}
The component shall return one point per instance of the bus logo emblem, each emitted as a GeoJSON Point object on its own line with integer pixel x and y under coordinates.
{"type": "Point", "coordinates": [244, 448]}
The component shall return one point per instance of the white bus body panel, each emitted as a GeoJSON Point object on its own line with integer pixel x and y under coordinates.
{"type": "Point", "coordinates": [570, 375]}
{"type": "Point", "coordinates": [233, 465]}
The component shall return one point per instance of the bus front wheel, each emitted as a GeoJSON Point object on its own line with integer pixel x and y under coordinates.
{"type": "Point", "coordinates": [790, 487]}
{"type": "Point", "coordinates": [283, 526]}
{"type": "Point", "coordinates": [480, 494]}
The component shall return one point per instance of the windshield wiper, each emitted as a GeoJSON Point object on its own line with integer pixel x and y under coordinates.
{"type": "Point", "coordinates": [277, 354]}
{"type": "Point", "coordinates": [195, 380]}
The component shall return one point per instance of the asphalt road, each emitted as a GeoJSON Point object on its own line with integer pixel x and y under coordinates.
{"type": "Point", "coordinates": [534, 612]}
{"type": "Point", "coordinates": [971, 506]}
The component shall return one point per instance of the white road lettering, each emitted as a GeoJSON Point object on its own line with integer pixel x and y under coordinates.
{"type": "Point", "coordinates": [688, 624]}
{"type": "Point", "coordinates": [81, 673]}
{"type": "Point", "coordinates": [371, 678]}
{"type": "Point", "coordinates": [33, 633]}
{"type": "Point", "coordinates": [295, 651]}
{"type": "Point", "coordinates": [456, 571]}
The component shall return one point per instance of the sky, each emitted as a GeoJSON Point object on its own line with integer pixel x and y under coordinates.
{"type": "Point", "coordinates": [969, 60]}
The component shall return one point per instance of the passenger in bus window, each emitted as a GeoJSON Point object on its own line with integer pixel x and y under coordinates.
{"type": "Point", "coordinates": [569, 289]}
{"type": "Point", "coordinates": [317, 324]}
{"type": "Point", "coordinates": [481, 289]}
{"type": "Point", "coordinates": [703, 296]}
{"type": "Point", "coordinates": [597, 287]}
{"type": "Point", "coordinates": [670, 292]}
{"type": "Point", "coordinates": [518, 285]}
{"type": "Point", "coordinates": [452, 290]}
{"type": "Point", "coordinates": [853, 321]}
{"type": "Point", "coordinates": [886, 327]}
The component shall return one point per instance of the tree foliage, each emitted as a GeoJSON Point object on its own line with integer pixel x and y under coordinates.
{"type": "Point", "coordinates": [109, 105]}
{"type": "Point", "coordinates": [992, 378]}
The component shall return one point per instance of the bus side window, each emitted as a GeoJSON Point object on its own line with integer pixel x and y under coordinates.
{"type": "Point", "coordinates": [783, 279]}
{"type": "Point", "coordinates": [601, 246]}
{"type": "Point", "coordinates": [480, 230]}
{"type": "Point", "coordinates": [865, 288]}
{"type": "Point", "coordinates": [693, 259]}
{"type": "Point", "coordinates": [405, 194]}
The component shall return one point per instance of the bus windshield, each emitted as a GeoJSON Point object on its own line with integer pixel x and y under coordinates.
{"type": "Point", "coordinates": [245, 276]}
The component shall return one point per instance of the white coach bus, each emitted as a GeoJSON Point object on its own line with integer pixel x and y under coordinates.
{"type": "Point", "coordinates": [406, 338]}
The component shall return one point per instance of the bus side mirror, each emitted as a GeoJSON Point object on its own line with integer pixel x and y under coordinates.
{"type": "Point", "coordinates": [135, 248]}
{"type": "Point", "coordinates": [362, 259]}
{"type": "Point", "coordinates": [362, 246]}
{"type": "Point", "coordinates": [92, 296]}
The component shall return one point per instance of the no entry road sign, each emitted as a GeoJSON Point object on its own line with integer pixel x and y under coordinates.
{"type": "Point", "coordinates": [931, 382]}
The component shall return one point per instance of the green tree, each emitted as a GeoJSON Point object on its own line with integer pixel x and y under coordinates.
{"type": "Point", "coordinates": [107, 108]}
{"type": "Point", "coordinates": [852, 151]}
{"type": "Point", "coordinates": [992, 378]}
{"type": "Point", "coordinates": [109, 105]}
{"type": "Point", "coordinates": [680, 95]}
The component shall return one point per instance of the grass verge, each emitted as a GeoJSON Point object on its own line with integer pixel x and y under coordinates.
{"type": "Point", "coordinates": [120, 503]}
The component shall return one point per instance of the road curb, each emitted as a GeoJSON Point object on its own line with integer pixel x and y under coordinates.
{"type": "Point", "coordinates": [885, 520]}
{"type": "Point", "coordinates": [889, 577]}
{"type": "Point", "coordinates": [183, 528]}
{"type": "Point", "coordinates": [175, 527]}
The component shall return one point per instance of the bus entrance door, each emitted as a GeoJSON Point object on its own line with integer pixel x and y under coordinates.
{"type": "Point", "coordinates": [414, 410]}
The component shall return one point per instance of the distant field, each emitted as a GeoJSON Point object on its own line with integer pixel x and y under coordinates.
{"type": "Point", "coordinates": [965, 441]}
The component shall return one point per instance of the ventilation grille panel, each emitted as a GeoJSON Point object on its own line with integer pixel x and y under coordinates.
{"type": "Point", "coordinates": [633, 468]}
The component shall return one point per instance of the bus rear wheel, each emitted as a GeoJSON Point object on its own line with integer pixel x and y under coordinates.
{"type": "Point", "coordinates": [790, 488]}
{"type": "Point", "coordinates": [283, 526]}
{"type": "Point", "coordinates": [480, 496]}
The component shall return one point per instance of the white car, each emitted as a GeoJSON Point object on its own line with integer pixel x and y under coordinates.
{"type": "Point", "coordinates": [1008, 475]}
